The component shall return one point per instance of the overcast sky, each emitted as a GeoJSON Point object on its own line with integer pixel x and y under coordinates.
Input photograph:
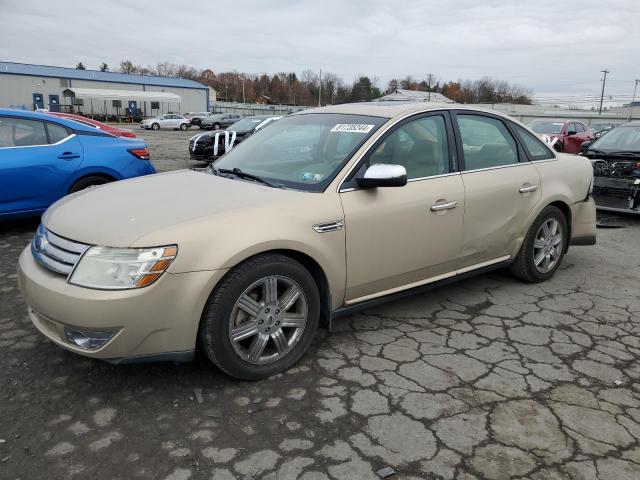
{"type": "Point", "coordinates": [556, 47]}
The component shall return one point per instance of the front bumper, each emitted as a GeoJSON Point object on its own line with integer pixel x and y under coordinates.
{"type": "Point", "coordinates": [152, 323]}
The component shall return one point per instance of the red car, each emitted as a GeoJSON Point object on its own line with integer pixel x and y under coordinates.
{"type": "Point", "coordinates": [563, 135]}
{"type": "Point", "coordinates": [118, 132]}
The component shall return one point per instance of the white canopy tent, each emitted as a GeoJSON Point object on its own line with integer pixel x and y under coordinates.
{"type": "Point", "coordinates": [127, 95]}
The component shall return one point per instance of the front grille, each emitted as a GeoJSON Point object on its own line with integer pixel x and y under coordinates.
{"type": "Point", "coordinates": [55, 253]}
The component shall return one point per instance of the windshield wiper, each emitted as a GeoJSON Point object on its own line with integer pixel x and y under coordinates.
{"type": "Point", "coordinates": [239, 173]}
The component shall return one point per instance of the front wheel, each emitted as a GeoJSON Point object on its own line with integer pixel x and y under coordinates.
{"type": "Point", "coordinates": [543, 248]}
{"type": "Point", "coordinates": [183, 126]}
{"type": "Point", "coordinates": [216, 126]}
{"type": "Point", "coordinates": [155, 126]}
{"type": "Point", "coordinates": [261, 318]}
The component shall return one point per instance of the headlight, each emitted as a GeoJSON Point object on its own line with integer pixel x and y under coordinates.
{"type": "Point", "coordinates": [122, 268]}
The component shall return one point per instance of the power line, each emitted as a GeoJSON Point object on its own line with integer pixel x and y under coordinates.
{"type": "Point", "coordinates": [604, 82]}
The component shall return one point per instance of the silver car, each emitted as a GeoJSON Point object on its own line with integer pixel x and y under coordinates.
{"type": "Point", "coordinates": [168, 120]}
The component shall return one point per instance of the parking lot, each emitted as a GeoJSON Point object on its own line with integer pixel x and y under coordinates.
{"type": "Point", "coordinates": [489, 378]}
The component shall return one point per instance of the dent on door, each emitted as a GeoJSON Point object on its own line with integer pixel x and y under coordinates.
{"type": "Point", "coordinates": [498, 205]}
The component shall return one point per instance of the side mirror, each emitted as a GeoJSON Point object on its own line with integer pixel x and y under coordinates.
{"type": "Point", "coordinates": [584, 146]}
{"type": "Point", "coordinates": [383, 175]}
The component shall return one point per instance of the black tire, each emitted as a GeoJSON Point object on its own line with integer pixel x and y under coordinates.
{"type": "Point", "coordinates": [183, 126]}
{"type": "Point", "coordinates": [214, 326]}
{"type": "Point", "coordinates": [216, 126]}
{"type": "Point", "coordinates": [87, 182]}
{"type": "Point", "coordinates": [557, 147]}
{"type": "Point", "coordinates": [524, 266]}
{"type": "Point", "coordinates": [155, 126]}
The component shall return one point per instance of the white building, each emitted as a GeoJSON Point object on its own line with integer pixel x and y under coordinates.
{"type": "Point", "coordinates": [92, 92]}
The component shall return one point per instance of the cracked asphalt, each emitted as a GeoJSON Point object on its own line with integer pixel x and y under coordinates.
{"type": "Point", "coordinates": [488, 378]}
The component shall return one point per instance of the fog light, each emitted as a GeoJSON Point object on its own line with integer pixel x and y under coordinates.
{"type": "Point", "coordinates": [87, 340]}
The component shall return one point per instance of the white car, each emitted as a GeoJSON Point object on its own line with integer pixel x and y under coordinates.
{"type": "Point", "coordinates": [169, 120]}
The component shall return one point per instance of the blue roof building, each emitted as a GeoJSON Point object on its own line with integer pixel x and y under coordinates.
{"type": "Point", "coordinates": [92, 92]}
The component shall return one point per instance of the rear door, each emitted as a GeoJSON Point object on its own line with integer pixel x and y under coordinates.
{"type": "Point", "coordinates": [36, 159]}
{"type": "Point", "coordinates": [501, 188]}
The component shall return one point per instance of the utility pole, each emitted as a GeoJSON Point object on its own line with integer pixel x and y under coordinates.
{"type": "Point", "coordinates": [320, 90]}
{"type": "Point", "coordinates": [430, 75]}
{"type": "Point", "coordinates": [604, 81]}
{"type": "Point", "coordinates": [243, 98]}
{"type": "Point", "coordinates": [633, 99]}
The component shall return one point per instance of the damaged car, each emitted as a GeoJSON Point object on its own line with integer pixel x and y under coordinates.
{"type": "Point", "coordinates": [616, 168]}
{"type": "Point", "coordinates": [209, 146]}
{"type": "Point", "coordinates": [323, 213]}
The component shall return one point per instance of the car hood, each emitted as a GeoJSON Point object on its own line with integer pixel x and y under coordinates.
{"type": "Point", "coordinates": [117, 214]}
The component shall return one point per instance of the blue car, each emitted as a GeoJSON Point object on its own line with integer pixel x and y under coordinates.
{"type": "Point", "coordinates": [43, 158]}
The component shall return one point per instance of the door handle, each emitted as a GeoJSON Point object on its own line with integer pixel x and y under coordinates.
{"type": "Point", "coordinates": [68, 156]}
{"type": "Point", "coordinates": [526, 188]}
{"type": "Point", "coordinates": [444, 206]}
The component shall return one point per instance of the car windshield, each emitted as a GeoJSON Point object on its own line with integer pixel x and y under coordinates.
{"type": "Point", "coordinates": [546, 126]}
{"type": "Point", "coordinates": [246, 124]}
{"type": "Point", "coordinates": [624, 138]}
{"type": "Point", "coordinates": [303, 152]}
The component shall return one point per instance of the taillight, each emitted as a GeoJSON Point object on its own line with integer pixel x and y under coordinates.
{"type": "Point", "coordinates": [141, 153]}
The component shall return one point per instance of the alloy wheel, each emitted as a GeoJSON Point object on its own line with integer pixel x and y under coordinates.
{"type": "Point", "coordinates": [268, 319]}
{"type": "Point", "coordinates": [547, 247]}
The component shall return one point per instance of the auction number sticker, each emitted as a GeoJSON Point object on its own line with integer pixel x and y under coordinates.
{"type": "Point", "coordinates": [352, 128]}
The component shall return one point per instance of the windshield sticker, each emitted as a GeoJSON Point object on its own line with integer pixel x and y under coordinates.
{"type": "Point", "coordinates": [311, 177]}
{"type": "Point", "coordinates": [352, 128]}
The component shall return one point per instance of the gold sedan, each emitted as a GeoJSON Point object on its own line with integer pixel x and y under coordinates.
{"type": "Point", "coordinates": [317, 215]}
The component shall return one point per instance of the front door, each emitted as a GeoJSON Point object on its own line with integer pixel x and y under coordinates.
{"type": "Point", "coordinates": [399, 237]}
{"type": "Point", "coordinates": [501, 189]}
{"type": "Point", "coordinates": [38, 101]}
{"type": "Point", "coordinates": [54, 103]}
{"type": "Point", "coordinates": [35, 159]}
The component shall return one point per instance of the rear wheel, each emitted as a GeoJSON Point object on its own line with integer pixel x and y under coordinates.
{"type": "Point", "coordinates": [557, 147]}
{"type": "Point", "coordinates": [183, 126]}
{"type": "Point", "coordinates": [261, 318]}
{"type": "Point", "coordinates": [216, 126]}
{"type": "Point", "coordinates": [155, 126]}
{"type": "Point", "coordinates": [88, 182]}
{"type": "Point", "coordinates": [543, 247]}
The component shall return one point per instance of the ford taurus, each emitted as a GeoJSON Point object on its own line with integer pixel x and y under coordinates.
{"type": "Point", "coordinates": [326, 211]}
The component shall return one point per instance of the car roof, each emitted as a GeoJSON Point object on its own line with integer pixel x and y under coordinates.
{"type": "Point", "coordinates": [46, 117]}
{"type": "Point", "coordinates": [394, 109]}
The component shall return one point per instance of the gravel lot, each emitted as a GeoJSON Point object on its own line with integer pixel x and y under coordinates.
{"type": "Point", "coordinates": [485, 379]}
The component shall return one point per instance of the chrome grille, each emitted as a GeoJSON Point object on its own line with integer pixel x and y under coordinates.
{"type": "Point", "coordinates": [56, 253]}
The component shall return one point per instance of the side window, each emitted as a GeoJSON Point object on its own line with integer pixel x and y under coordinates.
{"type": "Point", "coordinates": [570, 128]}
{"type": "Point", "coordinates": [56, 133]}
{"type": "Point", "coordinates": [536, 150]}
{"type": "Point", "coordinates": [18, 132]}
{"type": "Point", "coordinates": [580, 128]}
{"type": "Point", "coordinates": [420, 146]}
{"type": "Point", "coordinates": [486, 142]}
